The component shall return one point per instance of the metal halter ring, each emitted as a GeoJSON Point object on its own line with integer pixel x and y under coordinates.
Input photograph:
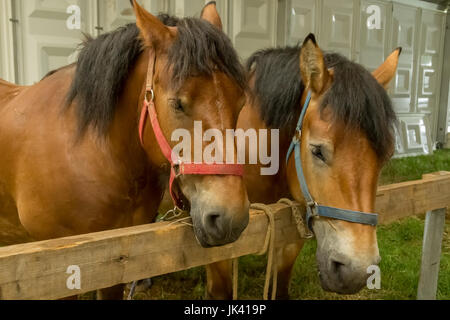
{"type": "Point", "coordinates": [312, 204]}
{"type": "Point", "coordinates": [152, 93]}
{"type": "Point", "coordinates": [297, 136]}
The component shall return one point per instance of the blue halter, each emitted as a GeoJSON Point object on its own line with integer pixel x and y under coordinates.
{"type": "Point", "coordinates": [314, 210]}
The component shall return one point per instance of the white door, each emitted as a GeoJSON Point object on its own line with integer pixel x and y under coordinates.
{"type": "Point", "coordinates": [253, 25]}
{"type": "Point", "coordinates": [374, 43]}
{"type": "Point", "coordinates": [337, 31]}
{"type": "Point", "coordinates": [430, 65]}
{"type": "Point", "coordinates": [7, 57]}
{"type": "Point", "coordinates": [44, 40]}
{"type": "Point", "coordinates": [406, 22]}
{"type": "Point", "coordinates": [117, 13]}
{"type": "Point", "coordinates": [301, 19]}
{"type": "Point", "coordinates": [187, 8]}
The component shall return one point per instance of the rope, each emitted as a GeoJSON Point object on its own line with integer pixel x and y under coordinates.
{"type": "Point", "coordinates": [269, 246]}
{"type": "Point", "coordinates": [302, 229]}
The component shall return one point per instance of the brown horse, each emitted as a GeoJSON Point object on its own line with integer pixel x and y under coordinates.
{"type": "Point", "coordinates": [348, 134]}
{"type": "Point", "coordinates": [72, 161]}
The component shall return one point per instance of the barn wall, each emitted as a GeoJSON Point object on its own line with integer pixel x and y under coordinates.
{"type": "Point", "coordinates": [44, 42]}
{"type": "Point", "coordinates": [7, 58]}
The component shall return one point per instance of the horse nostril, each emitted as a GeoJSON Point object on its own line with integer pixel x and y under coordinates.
{"type": "Point", "coordinates": [214, 225]}
{"type": "Point", "coordinates": [337, 266]}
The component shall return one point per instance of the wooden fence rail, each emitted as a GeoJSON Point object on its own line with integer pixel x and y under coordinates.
{"type": "Point", "coordinates": [39, 270]}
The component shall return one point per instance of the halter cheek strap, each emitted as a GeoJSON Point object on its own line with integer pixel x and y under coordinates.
{"type": "Point", "coordinates": [314, 210]}
{"type": "Point", "coordinates": [178, 168]}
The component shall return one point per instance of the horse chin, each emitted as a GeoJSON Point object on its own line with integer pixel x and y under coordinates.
{"type": "Point", "coordinates": [334, 286]}
{"type": "Point", "coordinates": [207, 242]}
{"type": "Point", "coordinates": [348, 281]}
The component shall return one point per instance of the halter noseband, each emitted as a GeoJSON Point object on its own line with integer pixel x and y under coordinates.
{"type": "Point", "coordinates": [178, 168]}
{"type": "Point", "coordinates": [314, 210]}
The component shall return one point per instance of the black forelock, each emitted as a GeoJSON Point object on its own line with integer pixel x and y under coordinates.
{"type": "Point", "coordinates": [104, 64]}
{"type": "Point", "coordinates": [361, 102]}
{"type": "Point", "coordinates": [201, 49]}
{"type": "Point", "coordinates": [355, 97]}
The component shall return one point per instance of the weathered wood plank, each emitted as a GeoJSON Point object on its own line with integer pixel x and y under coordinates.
{"type": "Point", "coordinates": [398, 201]}
{"type": "Point", "coordinates": [38, 270]}
{"type": "Point", "coordinates": [431, 254]}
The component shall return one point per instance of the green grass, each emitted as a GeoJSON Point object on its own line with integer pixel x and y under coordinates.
{"type": "Point", "coordinates": [412, 168]}
{"type": "Point", "coordinates": [400, 246]}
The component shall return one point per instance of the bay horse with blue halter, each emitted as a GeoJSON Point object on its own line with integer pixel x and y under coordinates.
{"type": "Point", "coordinates": [79, 154]}
{"type": "Point", "coordinates": [336, 125]}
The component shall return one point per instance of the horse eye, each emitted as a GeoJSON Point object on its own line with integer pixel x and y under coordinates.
{"type": "Point", "coordinates": [317, 152]}
{"type": "Point", "coordinates": [178, 105]}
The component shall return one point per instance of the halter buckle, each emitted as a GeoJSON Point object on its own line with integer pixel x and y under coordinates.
{"type": "Point", "coordinates": [312, 204]}
{"type": "Point", "coordinates": [177, 169]}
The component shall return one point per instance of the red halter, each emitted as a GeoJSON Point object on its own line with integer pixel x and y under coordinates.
{"type": "Point", "coordinates": [178, 168]}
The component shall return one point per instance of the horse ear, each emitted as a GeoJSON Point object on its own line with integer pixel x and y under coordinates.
{"type": "Point", "coordinates": [210, 14]}
{"type": "Point", "coordinates": [386, 72]}
{"type": "Point", "coordinates": [312, 65]}
{"type": "Point", "coordinates": [153, 31]}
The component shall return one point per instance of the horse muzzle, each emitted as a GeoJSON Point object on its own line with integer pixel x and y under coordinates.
{"type": "Point", "coordinates": [343, 275]}
{"type": "Point", "coordinates": [215, 227]}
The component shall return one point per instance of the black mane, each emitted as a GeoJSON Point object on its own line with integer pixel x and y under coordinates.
{"type": "Point", "coordinates": [278, 86]}
{"type": "Point", "coordinates": [355, 97]}
{"type": "Point", "coordinates": [105, 62]}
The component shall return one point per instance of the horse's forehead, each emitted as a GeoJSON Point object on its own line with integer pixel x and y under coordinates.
{"type": "Point", "coordinates": [214, 99]}
{"type": "Point", "coordinates": [323, 124]}
{"type": "Point", "coordinates": [320, 122]}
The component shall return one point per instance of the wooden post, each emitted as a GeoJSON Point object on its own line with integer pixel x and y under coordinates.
{"type": "Point", "coordinates": [431, 254]}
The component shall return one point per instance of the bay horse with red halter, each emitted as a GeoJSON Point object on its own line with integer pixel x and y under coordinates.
{"type": "Point", "coordinates": [347, 135]}
{"type": "Point", "coordinates": [79, 154]}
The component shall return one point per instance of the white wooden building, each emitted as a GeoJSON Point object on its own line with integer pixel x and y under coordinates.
{"type": "Point", "coordinates": [35, 39]}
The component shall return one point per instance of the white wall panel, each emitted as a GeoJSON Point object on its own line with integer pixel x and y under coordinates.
{"type": "Point", "coordinates": [415, 135]}
{"type": "Point", "coordinates": [337, 29]}
{"type": "Point", "coordinates": [44, 41]}
{"type": "Point", "coordinates": [116, 13]}
{"type": "Point", "coordinates": [7, 56]}
{"type": "Point", "coordinates": [187, 8]}
{"type": "Point", "coordinates": [253, 25]}
{"type": "Point", "coordinates": [430, 65]}
{"type": "Point", "coordinates": [193, 8]}
{"type": "Point", "coordinates": [374, 44]}
{"type": "Point", "coordinates": [301, 20]}
{"type": "Point", "coordinates": [405, 34]}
